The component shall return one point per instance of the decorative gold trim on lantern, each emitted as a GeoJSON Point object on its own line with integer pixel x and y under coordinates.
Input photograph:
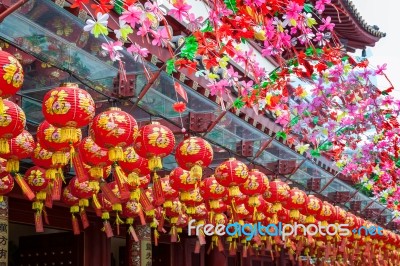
{"type": "Point", "coordinates": [105, 216]}
{"type": "Point", "coordinates": [295, 214]}
{"type": "Point", "coordinates": [277, 206]}
{"type": "Point", "coordinates": [60, 158]}
{"type": "Point", "coordinates": [196, 172]}
{"type": "Point", "coordinates": [116, 154]}
{"type": "Point", "coordinates": [114, 109]}
{"type": "Point", "coordinates": [155, 163]}
{"type": "Point", "coordinates": [234, 191]}
{"type": "Point", "coordinates": [12, 166]}
{"type": "Point", "coordinates": [4, 146]}
{"type": "Point", "coordinates": [69, 85]}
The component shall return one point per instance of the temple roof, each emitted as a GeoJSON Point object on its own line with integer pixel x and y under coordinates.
{"type": "Point", "coordinates": [351, 28]}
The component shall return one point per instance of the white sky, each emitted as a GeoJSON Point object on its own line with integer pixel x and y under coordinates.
{"type": "Point", "coordinates": [385, 14]}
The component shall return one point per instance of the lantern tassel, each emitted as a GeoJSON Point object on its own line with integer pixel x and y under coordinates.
{"type": "Point", "coordinates": [69, 134]}
{"type": "Point", "coordinates": [294, 214]}
{"type": "Point", "coordinates": [56, 189]}
{"type": "Point", "coordinates": [155, 163]}
{"type": "Point", "coordinates": [310, 219]}
{"type": "Point", "coordinates": [79, 168]}
{"type": "Point", "coordinates": [4, 146]}
{"type": "Point", "coordinates": [75, 225]}
{"type": "Point", "coordinates": [158, 192]}
{"type": "Point", "coordinates": [145, 202]}
{"type": "Point", "coordinates": [24, 187]}
{"type": "Point", "coordinates": [196, 172]}
{"type": "Point", "coordinates": [12, 166]}
{"type": "Point", "coordinates": [133, 233]}
{"type": "Point", "coordinates": [107, 229]}
{"type": "Point", "coordinates": [116, 154]}
{"type": "Point", "coordinates": [122, 180]}
{"type": "Point", "coordinates": [84, 218]}
{"type": "Point", "coordinates": [96, 172]}
{"type": "Point", "coordinates": [96, 202]}
{"type": "Point", "coordinates": [59, 158]}
{"type": "Point", "coordinates": [133, 179]}
{"type": "Point", "coordinates": [118, 221]}
{"type": "Point", "coordinates": [1, 106]}
{"type": "Point", "coordinates": [38, 222]}
{"type": "Point", "coordinates": [108, 193]}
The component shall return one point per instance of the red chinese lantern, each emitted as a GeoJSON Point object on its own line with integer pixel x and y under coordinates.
{"type": "Point", "coordinates": [12, 123]}
{"type": "Point", "coordinates": [6, 185]}
{"type": "Point", "coordinates": [296, 202]}
{"type": "Point", "coordinates": [154, 141]}
{"type": "Point", "coordinates": [84, 191]}
{"type": "Point", "coordinates": [73, 202]}
{"type": "Point", "coordinates": [169, 193]}
{"type": "Point", "coordinates": [94, 156]}
{"type": "Point", "coordinates": [312, 208]}
{"type": "Point", "coordinates": [278, 193]}
{"type": "Point", "coordinates": [134, 165]}
{"type": "Point", "coordinates": [256, 184]}
{"type": "Point", "coordinates": [257, 206]}
{"type": "Point", "coordinates": [326, 213]}
{"type": "Point", "coordinates": [212, 191]}
{"type": "Point", "coordinates": [114, 129]}
{"type": "Point", "coordinates": [231, 174]}
{"type": "Point", "coordinates": [194, 154]}
{"type": "Point", "coordinates": [36, 179]}
{"type": "Point", "coordinates": [49, 138]}
{"type": "Point", "coordinates": [181, 180]}
{"type": "Point", "coordinates": [12, 76]}
{"type": "Point", "coordinates": [21, 147]}
{"type": "Point", "coordinates": [339, 216]}
{"type": "Point", "coordinates": [68, 107]}
{"type": "Point", "coordinates": [191, 199]}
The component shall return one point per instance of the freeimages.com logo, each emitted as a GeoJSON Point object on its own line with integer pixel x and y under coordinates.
{"type": "Point", "coordinates": [280, 229]}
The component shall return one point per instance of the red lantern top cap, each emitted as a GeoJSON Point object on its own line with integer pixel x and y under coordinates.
{"type": "Point", "coordinates": [69, 85]}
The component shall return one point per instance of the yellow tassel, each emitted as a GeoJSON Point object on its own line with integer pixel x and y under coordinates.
{"type": "Point", "coordinates": [133, 179]}
{"type": "Point", "coordinates": [121, 175]}
{"type": "Point", "coordinates": [234, 191]}
{"type": "Point", "coordinates": [12, 166]}
{"type": "Point", "coordinates": [96, 202]}
{"type": "Point", "coordinates": [135, 195]}
{"type": "Point", "coordinates": [324, 223]}
{"type": "Point", "coordinates": [150, 213]}
{"type": "Point", "coordinates": [61, 174]}
{"type": "Point", "coordinates": [310, 219]}
{"type": "Point", "coordinates": [84, 203]}
{"type": "Point", "coordinates": [69, 134]}
{"type": "Point", "coordinates": [254, 201]}
{"type": "Point", "coordinates": [1, 198]}
{"type": "Point", "coordinates": [4, 146]}
{"type": "Point", "coordinates": [185, 196]}
{"type": "Point", "coordinates": [1, 106]}
{"type": "Point", "coordinates": [196, 172]}
{"type": "Point", "coordinates": [51, 173]}
{"type": "Point", "coordinates": [118, 220]}
{"type": "Point", "coordinates": [214, 204]}
{"type": "Point", "coordinates": [155, 163]}
{"type": "Point", "coordinates": [191, 210]}
{"type": "Point", "coordinates": [96, 172]}
{"type": "Point", "coordinates": [37, 205]}
{"type": "Point", "coordinates": [74, 209]}
{"type": "Point", "coordinates": [105, 216]}
{"type": "Point", "coordinates": [94, 186]}
{"type": "Point", "coordinates": [174, 220]}
{"type": "Point", "coordinates": [117, 207]}
{"type": "Point", "coordinates": [41, 195]}
{"type": "Point", "coordinates": [276, 207]}
{"type": "Point", "coordinates": [168, 204]}
{"type": "Point", "coordinates": [295, 214]}
{"type": "Point", "coordinates": [116, 154]}
{"type": "Point", "coordinates": [129, 221]}
{"type": "Point", "coordinates": [59, 158]}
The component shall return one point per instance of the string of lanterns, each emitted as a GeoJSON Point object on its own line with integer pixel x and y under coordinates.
{"type": "Point", "coordinates": [132, 156]}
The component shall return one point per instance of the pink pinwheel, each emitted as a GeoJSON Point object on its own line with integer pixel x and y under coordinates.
{"type": "Point", "coordinates": [327, 24]}
{"type": "Point", "coordinates": [194, 23]}
{"type": "Point", "coordinates": [320, 5]}
{"type": "Point", "coordinates": [138, 52]}
{"type": "Point", "coordinates": [380, 69]}
{"type": "Point", "coordinates": [161, 37]}
{"type": "Point", "coordinates": [132, 16]}
{"type": "Point", "coordinates": [145, 28]}
{"type": "Point", "coordinates": [112, 48]}
{"type": "Point", "coordinates": [246, 87]}
{"type": "Point", "coordinates": [180, 10]}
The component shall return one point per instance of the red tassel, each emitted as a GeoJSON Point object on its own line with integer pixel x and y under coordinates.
{"type": "Point", "coordinates": [38, 222]}
{"type": "Point", "coordinates": [75, 226]}
{"type": "Point", "coordinates": [250, 251]}
{"type": "Point", "coordinates": [244, 254]}
{"type": "Point", "coordinates": [24, 187]}
{"type": "Point", "coordinates": [57, 188]}
{"type": "Point", "coordinates": [46, 218]}
{"type": "Point", "coordinates": [202, 238]}
{"type": "Point", "coordinates": [158, 192]}
{"type": "Point", "coordinates": [232, 249]}
{"type": "Point", "coordinates": [142, 217]}
{"type": "Point", "coordinates": [133, 233]}
{"type": "Point", "coordinates": [197, 248]}
{"type": "Point", "coordinates": [84, 219]}
{"type": "Point", "coordinates": [108, 229]}
{"type": "Point", "coordinates": [257, 240]}
{"type": "Point", "coordinates": [161, 224]}
{"type": "Point", "coordinates": [98, 212]}
{"type": "Point", "coordinates": [49, 200]}
{"type": "Point", "coordinates": [220, 245]}
{"type": "Point", "coordinates": [109, 194]}
{"type": "Point", "coordinates": [79, 168]}
{"type": "Point", "coordinates": [174, 235]}
{"type": "Point", "coordinates": [145, 202]}
{"type": "Point", "coordinates": [121, 179]}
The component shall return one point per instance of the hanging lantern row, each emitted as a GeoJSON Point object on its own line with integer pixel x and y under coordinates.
{"type": "Point", "coordinates": [132, 156]}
